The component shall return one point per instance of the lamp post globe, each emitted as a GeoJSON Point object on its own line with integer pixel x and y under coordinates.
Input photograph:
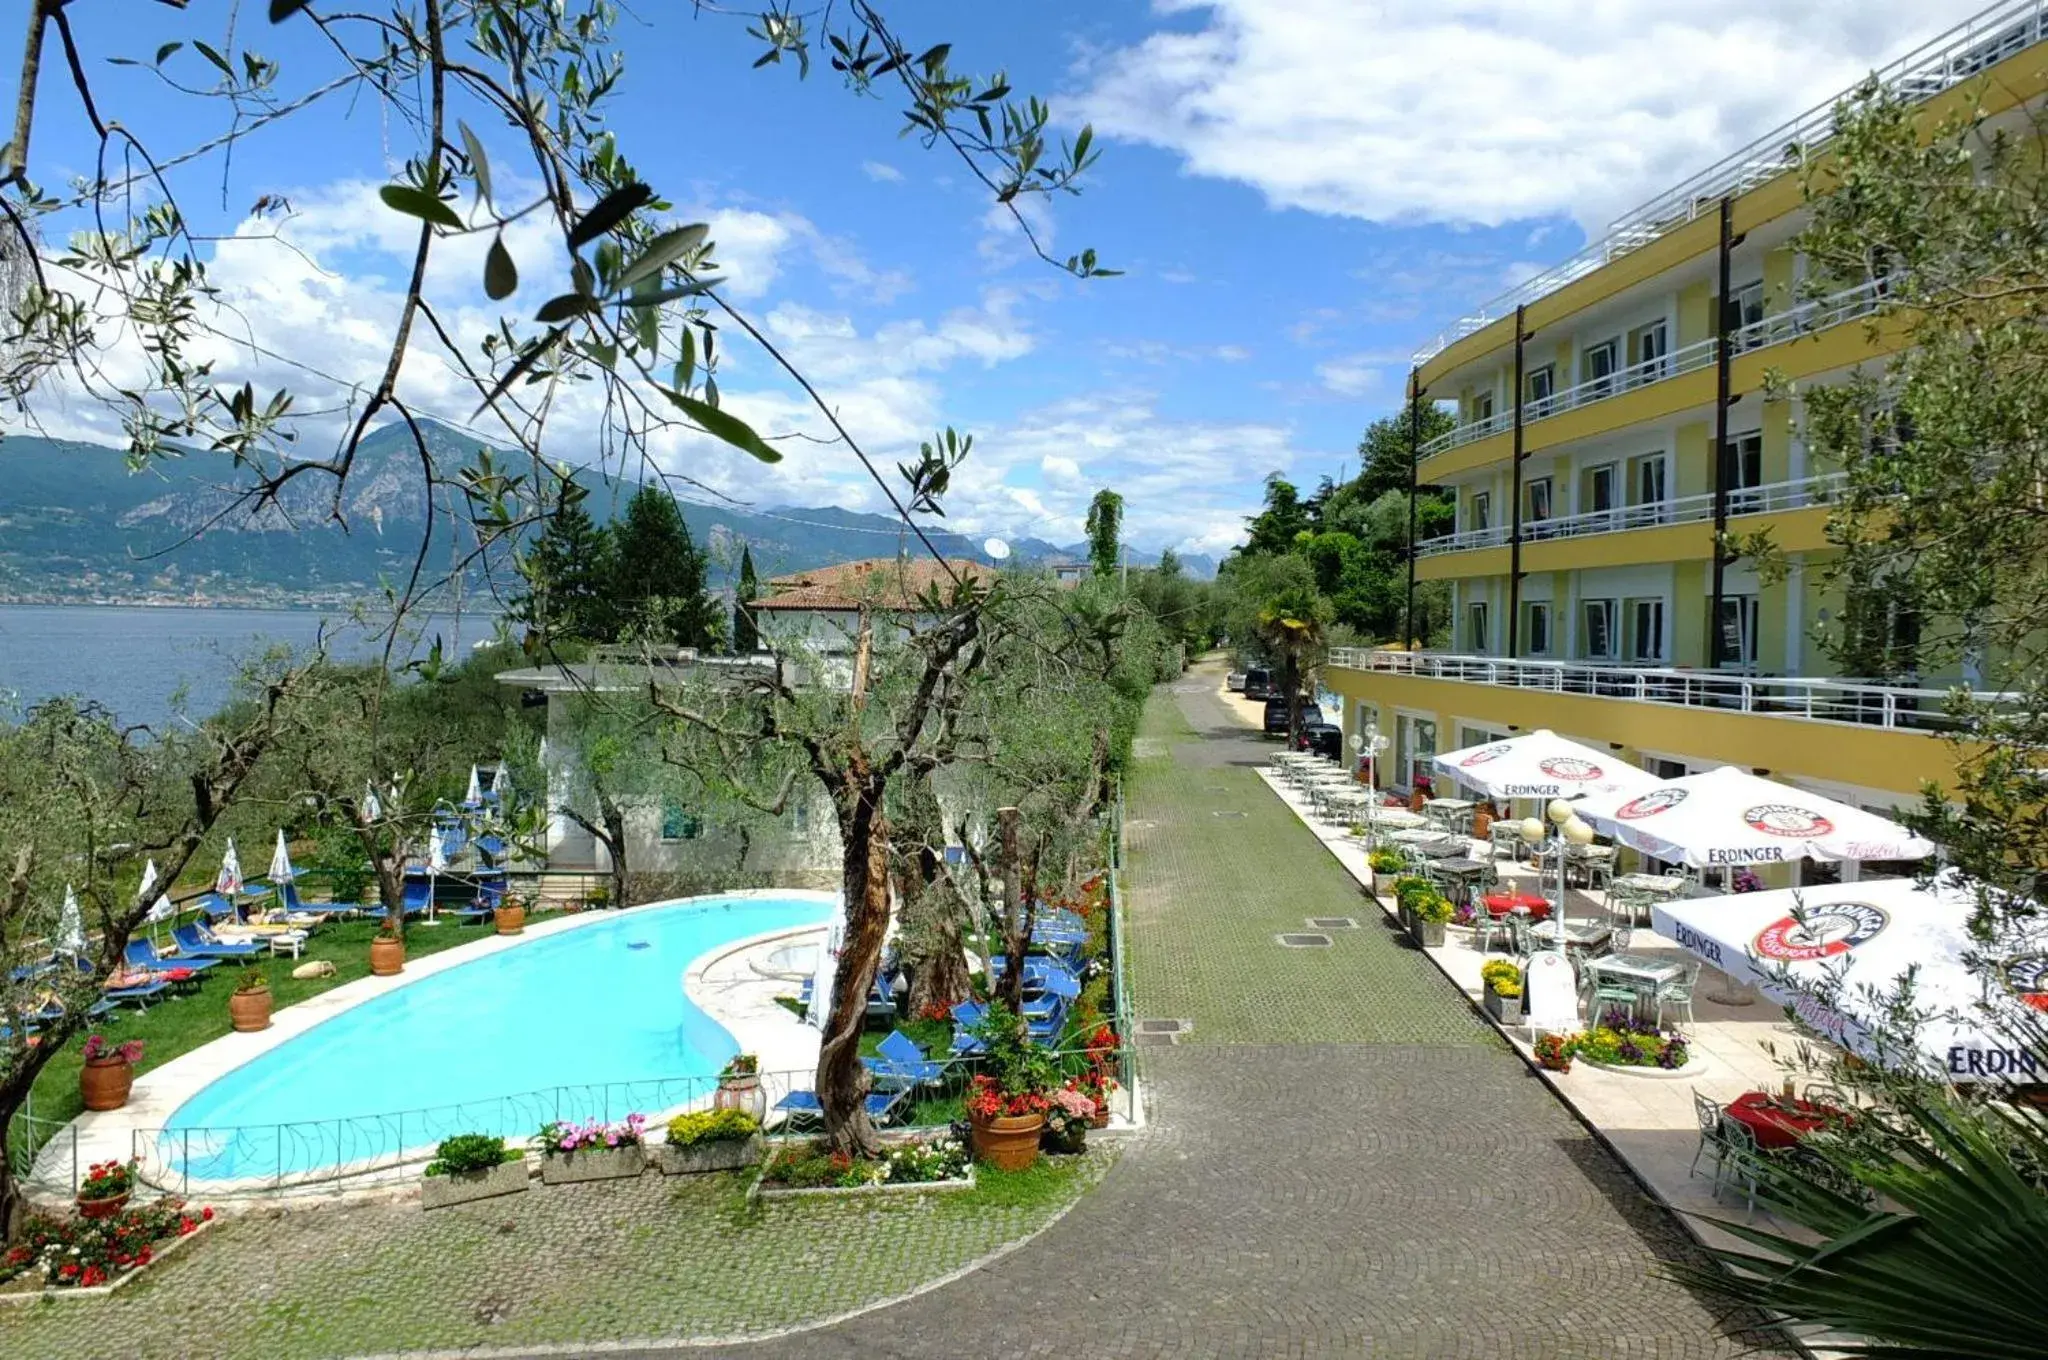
{"type": "Point", "coordinates": [1531, 830]}
{"type": "Point", "coordinates": [1560, 811]}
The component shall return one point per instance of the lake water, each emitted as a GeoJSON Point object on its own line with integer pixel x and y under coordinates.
{"type": "Point", "coordinates": [136, 660]}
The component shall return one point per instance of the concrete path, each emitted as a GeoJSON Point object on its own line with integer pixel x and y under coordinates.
{"type": "Point", "coordinates": [1343, 1160]}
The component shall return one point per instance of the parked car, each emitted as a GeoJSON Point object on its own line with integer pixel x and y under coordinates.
{"type": "Point", "coordinates": [1234, 682]}
{"type": "Point", "coordinates": [1324, 739]}
{"type": "Point", "coordinates": [1258, 683]}
{"type": "Point", "coordinates": [1276, 716]}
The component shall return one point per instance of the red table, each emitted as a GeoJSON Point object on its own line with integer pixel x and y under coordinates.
{"type": "Point", "coordinates": [1500, 904]}
{"type": "Point", "coordinates": [1779, 1123]}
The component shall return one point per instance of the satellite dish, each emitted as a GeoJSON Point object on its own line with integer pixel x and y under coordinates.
{"type": "Point", "coordinates": [996, 548]}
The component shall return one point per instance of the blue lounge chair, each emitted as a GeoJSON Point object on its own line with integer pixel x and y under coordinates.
{"type": "Point", "coordinates": [898, 1061]}
{"type": "Point", "coordinates": [966, 1016]}
{"type": "Point", "coordinates": [419, 895]}
{"type": "Point", "coordinates": [142, 954]}
{"type": "Point", "coordinates": [29, 971]}
{"type": "Point", "coordinates": [288, 898]}
{"type": "Point", "coordinates": [492, 848]}
{"type": "Point", "coordinates": [218, 908]}
{"type": "Point", "coordinates": [803, 1105]}
{"type": "Point", "coordinates": [139, 994]}
{"type": "Point", "coordinates": [197, 942]}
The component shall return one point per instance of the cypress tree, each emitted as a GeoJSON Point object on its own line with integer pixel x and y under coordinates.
{"type": "Point", "coordinates": [746, 636]}
{"type": "Point", "coordinates": [568, 576]}
{"type": "Point", "coordinates": [657, 577]}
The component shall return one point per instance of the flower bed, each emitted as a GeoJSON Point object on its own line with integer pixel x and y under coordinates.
{"type": "Point", "coordinates": [471, 1166]}
{"type": "Point", "coordinates": [1620, 1042]}
{"type": "Point", "coordinates": [939, 1163]}
{"type": "Point", "coordinates": [594, 1151]}
{"type": "Point", "coordinates": [61, 1256]}
{"type": "Point", "coordinates": [712, 1140]}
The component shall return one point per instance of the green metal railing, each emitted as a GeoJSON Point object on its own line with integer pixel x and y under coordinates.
{"type": "Point", "coordinates": [1120, 982]}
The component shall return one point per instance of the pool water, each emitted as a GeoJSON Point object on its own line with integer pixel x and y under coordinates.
{"type": "Point", "coordinates": [589, 1022]}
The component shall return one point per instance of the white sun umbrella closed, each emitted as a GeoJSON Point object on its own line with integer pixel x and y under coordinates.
{"type": "Point", "coordinates": [371, 809]}
{"type": "Point", "coordinates": [228, 881]}
{"type": "Point", "coordinates": [822, 979]}
{"type": "Point", "coordinates": [281, 861]}
{"type": "Point", "coordinates": [475, 796]}
{"type": "Point", "coordinates": [71, 926]}
{"type": "Point", "coordinates": [1541, 764]}
{"type": "Point", "coordinates": [160, 910]}
{"type": "Point", "coordinates": [1835, 953]}
{"type": "Point", "coordinates": [437, 864]}
{"type": "Point", "coordinates": [1728, 816]}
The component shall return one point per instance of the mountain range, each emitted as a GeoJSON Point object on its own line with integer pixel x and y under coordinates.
{"type": "Point", "coordinates": [78, 525]}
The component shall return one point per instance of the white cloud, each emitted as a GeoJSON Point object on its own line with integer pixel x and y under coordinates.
{"type": "Point", "coordinates": [1161, 352]}
{"type": "Point", "coordinates": [881, 173]}
{"type": "Point", "coordinates": [1484, 110]}
{"type": "Point", "coordinates": [1351, 375]}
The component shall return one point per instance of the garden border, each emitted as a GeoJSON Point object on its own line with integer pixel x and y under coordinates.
{"type": "Point", "coordinates": [119, 1282]}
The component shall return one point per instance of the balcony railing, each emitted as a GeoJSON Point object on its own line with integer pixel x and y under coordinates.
{"type": "Point", "coordinates": [1848, 702]}
{"type": "Point", "coordinates": [1809, 318]}
{"type": "Point", "coordinates": [1750, 500]}
{"type": "Point", "coordinates": [1962, 53]}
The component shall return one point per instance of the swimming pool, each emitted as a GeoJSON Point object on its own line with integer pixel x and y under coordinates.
{"type": "Point", "coordinates": [590, 1022]}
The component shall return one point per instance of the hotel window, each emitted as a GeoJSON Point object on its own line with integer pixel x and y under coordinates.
{"type": "Point", "coordinates": [1482, 406]}
{"type": "Point", "coordinates": [1645, 630]}
{"type": "Point", "coordinates": [1646, 490]}
{"type": "Point", "coordinates": [1596, 368]}
{"type": "Point", "coordinates": [1648, 347]}
{"type": "Point", "coordinates": [1600, 488]}
{"type": "Point", "coordinates": [1536, 500]}
{"type": "Point", "coordinates": [677, 823]}
{"type": "Point", "coordinates": [1477, 635]}
{"type": "Point", "coordinates": [1536, 628]}
{"type": "Point", "coordinates": [1742, 470]}
{"type": "Point", "coordinates": [1746, 308]}
{"type": "Point", "coordinates": [1541, 384]}
{"type": "Point", "coordinates": [1479, 511]}
{"type": "Point", "coordinates": [1598, 633]}
{"type": "Point", "coordinates": [1738, 631]}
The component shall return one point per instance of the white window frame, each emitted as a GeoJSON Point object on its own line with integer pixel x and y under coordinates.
{"type": "Point", "coordinates": [1648, 354]}
{"type": "Point", "coordinates": [1747, 620]}
{"type": "Point", "coordinates": [1479, 626]}
{"type": "Point", "coordinates": [1647, 511]}
{"type": "Point", "coordinates": [1479, 511]}
{"type": "Point", "coordinates": [1593, 474]}
{"type": "Point", "coordinates": [1529, 489]}
{"type": "Point", "coordinates": [1610, 350]}
{"type": "Point", "coordinates": [1742, 448]}
{"type": "Point", "coordinates": [1531, 611]}
{"type": "Point", "coordinates": [1605, 608]}
{"type": "Point", "coordinates": [1633, 643]}
{"type": "Point", "coordinates": [1539, 402]}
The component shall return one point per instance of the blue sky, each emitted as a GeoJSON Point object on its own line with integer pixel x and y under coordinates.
{"type": "Point", "coordinates": [1300, 194]}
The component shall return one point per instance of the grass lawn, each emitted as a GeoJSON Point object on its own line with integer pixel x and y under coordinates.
{"type": "Point", "coordinates": [174, 1026]}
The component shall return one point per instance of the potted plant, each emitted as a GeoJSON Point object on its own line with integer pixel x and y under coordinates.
{"type": "Point", "coordinates": [1098, 1078]}
{"type": "Point", "coordinates": [105, 1189]}
{"type": "Point", "coordinates": [509, 916]}
{"type": "Point", "coordinates": [1007, 1103]}
{"type": "Point", "coordinates": [1408, 891]}
{"type": "Point", "coordinates": [109, 1072]}
{"type": "Point", "coordinates": [472, 1166]}
{"type": "Point", "coordinates": [739, 1087]}
{"type": "Point", "coordinates": [249, 1006]}
{"type": "Point", "coordinates": [387, 952]}
{"type": "Point", "coordinates": [712, 1140]}
{"type": "Point", "coordinates": [1554, 1052]}
{"type": "Point", "coordinates": [1385, 864]}
{"type": "Point", "coordinates": [1482, 821]}
{"type": "Point", "coordinates": [1432, 914]}
{"type": "Point", "coordinates": [593, 1151]}
{"type": "Point", "coordinates": [1503, 992]}
{"type": "Point", "coordinates": [1068, 1119]}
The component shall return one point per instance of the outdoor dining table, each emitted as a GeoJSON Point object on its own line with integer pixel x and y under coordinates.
{"type": "Point", "coordinates": [1462, 869]}
{"type": "Point", "coordinates": [1778, 1123]}
{"type": "Point", "coordinates": [1645, 972]}
{"type": "Point", "coordinates": [1656, 885]}
{"type": "Point", "coordinates": [1581, 937]}
{"type": "Point", "coordinates": [1501, 904]}
{"type": "Point", "coordinates": [1440, 845]}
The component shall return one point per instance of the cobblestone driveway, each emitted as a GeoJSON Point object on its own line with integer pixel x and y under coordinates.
{"type": "Point", "coordinates": [1344, 1161]}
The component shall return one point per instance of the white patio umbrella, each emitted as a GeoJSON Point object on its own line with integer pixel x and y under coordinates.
{"type": "Point", "coordinates": [501, 782]}
{"type": "Point", "coordinates": [371, 809]}
{"type": "Point", "coordinates": [437, 864]}
{"type": "Point", "coordinates": [281, 861]}
{"type": "Point", "coordinates": [160, 910]}
{"type": "Point", "coordinates": [1728, 816]}
{"type": "Point", "coordinates": [820, 1011]}
{"type": "Point", "coordinates": [1541, 764]}
{"type": "Point", "coordinates": [475, 795]}
{"type": "Point", "coordinates": [228, 881]}
{"type": "Point", "coordinates": [71, 926]}
{"type": "Point", "coordinates": [1855, 941]}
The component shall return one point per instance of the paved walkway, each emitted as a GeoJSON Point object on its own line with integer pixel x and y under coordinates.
{"type": "Point", "coordinates": [1343, 1159]}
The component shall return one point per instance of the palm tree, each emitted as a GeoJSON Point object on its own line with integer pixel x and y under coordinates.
{"type": "Point", "coordinates": [1293, 622]}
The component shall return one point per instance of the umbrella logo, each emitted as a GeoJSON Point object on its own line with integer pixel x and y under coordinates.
{"type": "Point", "coordinates": [1784, 819]}
{"type": "Point", "coordinates": [2027, 975]}
{"type": "Point", "coordinates": [1494, 752]}
{"type": "Point", "coordinates": [1826, 932]}
{"type": "Point", "coordinates": [1650, 804]}
{"type": "Point", "coordinates": [1568, 767]}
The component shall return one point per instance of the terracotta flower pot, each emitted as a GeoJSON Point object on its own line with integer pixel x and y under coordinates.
{"type": "Point", "coordinates": [741, 1092]}
{"type": "Point", "coordinates": [103, 1083]}
{"type": "Point", "coordinates": [1416, 800]}
{"type": "Point", "coordinates": [387, 956]}
{"type": "Point", "coordinates": [101, 1208]}
{"type": "Point", "coordinates": [1008, 1142]}
{"type": "Point", "coordinates": [250, 1011]}
{"type": "Point", "coordinates": [509, 920]}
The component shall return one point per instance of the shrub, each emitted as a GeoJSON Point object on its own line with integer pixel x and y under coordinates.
{"type": "Point", "coordinates": [1501, 977]}
{"type": "Point", "coordinates": [1384, 861]}
{"type": "Point", "coordinates": [742, 1065]}
{"type": "Point", "coordinates": [711, 1126]}
{"type": "Point", "coordinates": [915, 1162]}
{"type": "Point", "coordinates": [253, 980]}
{"type": "Point", "coordinates": [470, 1152]}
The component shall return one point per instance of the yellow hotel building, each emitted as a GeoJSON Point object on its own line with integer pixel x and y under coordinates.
{"type": "Point", "coordinates": [1585, 592]}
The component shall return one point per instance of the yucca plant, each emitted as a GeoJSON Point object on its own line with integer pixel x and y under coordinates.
{"type": "Point", "coordinates": [1936, 1245]}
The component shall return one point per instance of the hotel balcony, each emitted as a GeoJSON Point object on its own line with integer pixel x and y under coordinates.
{"type": "Point", "coordinates": [1961, 55]}
{"type": "Point", "coordinates": [1807, 319]}
{"type": "Point", "coordinates": [1655, 531]}
{"type": "Point", "coordinates": [1880, 736]}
